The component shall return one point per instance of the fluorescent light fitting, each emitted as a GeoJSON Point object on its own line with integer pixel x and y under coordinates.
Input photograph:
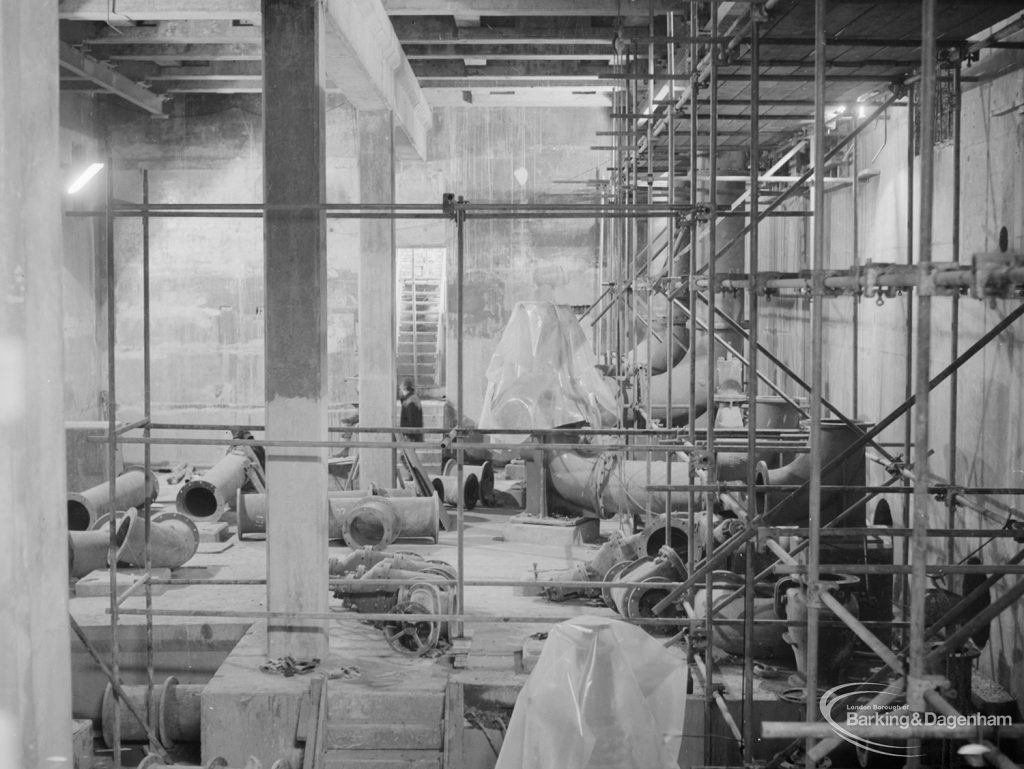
{"type": "Point", "coordinates": [84, 177]}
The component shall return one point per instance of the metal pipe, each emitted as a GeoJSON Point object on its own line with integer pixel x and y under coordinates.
{"type": "Point", "coordinates": [484, 474]}
{"type": "Point", "coordinates": [774, 730]}
{"type": "Point", "coordinates": [922, 415]}
{"type": "Point", "coordinates": [817, 352]}
{"type": "Point", "coordinates": [135, 487]}
{"type": "Point", "coordinates": [954, 321]}
{"type": "Point", "coordinates": [453, 491]}
{"type": "Point", "coordinates": [806, 176]}
{"type": "Point", "coordinates": [147, 406]}
{"type": "Point", "coordinates": [610, 485]}
{"type": "Point", "coordinates": [251, 509]}
{"type": "Point", "coordinates": [108, 221]}
{"type": "Point", "coordinates": [753, 414]}
{"type": "Point", "coordinates": [174, 540]}
{"type": "Point", "coordinates": [87, 552]}
{"type": "Point", "coordinates": [460, 269]}
{"type": "Point", "coordinates": [724, 550]}
{"type": "Point", "coordinates": [118, 691]}
{"type": "Point", "coordinates": [206, 498]}
{"type": "Point", "coordinates": [834, 439]}
{"type": "Point", "coordinates": [173, 707]}
{"type": "Point", "coordinates": [379, 521]}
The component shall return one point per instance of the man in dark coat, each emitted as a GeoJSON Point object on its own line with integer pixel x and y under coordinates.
{"type": "Point", "coordinates": [412, 411]}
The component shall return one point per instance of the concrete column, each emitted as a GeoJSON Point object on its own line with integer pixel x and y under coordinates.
{"type": "Point", "coordinates": [377, 385]}
{"type": "Point", "coordinates": [295, 264]}
{"type": "Point", "coordinates": [35, 678]}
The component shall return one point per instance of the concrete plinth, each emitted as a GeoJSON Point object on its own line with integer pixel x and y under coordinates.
{"type": "Point", "coordinates": [552, 531]}
{"type": "Point", "coordinates": [213, 532]}
{"type": "Point", "coordinates": [247, 712]}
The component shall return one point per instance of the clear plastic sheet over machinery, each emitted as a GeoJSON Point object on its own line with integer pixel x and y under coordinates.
{"type": "Point", "coordinates": [603, 694]}
{"type": "Point", "coordinates": [543, 374]}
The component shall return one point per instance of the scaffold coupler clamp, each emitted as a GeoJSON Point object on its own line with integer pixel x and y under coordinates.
{"type": "Point", "coordinates": [896, 467]}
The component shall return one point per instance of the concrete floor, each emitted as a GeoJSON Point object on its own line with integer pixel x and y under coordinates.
{"type": "Point", "coordinates": [193, 647]}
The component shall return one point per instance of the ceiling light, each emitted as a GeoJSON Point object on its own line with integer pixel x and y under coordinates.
{"type": "Point", "coordinates": [84, 177]}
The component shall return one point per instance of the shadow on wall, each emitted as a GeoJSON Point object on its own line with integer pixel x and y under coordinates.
{"type": "Point", "coordinates": [483, 303]}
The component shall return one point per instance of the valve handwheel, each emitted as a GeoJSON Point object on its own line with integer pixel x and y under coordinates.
{"type": "Point", "coordinates": [415, 638]}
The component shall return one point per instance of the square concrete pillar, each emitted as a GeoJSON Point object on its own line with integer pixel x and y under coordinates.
{"type": "Point", "coordinates": [35, 678]}
{"type": "Point", "coordinates": [377, 383]}
{"type": "Point", "coordinates": [295, 261]}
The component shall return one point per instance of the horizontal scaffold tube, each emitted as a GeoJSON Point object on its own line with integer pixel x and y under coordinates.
{"type": "Point", "coordinates": [134, 487]}
{"type": "Point", "coordinates": [989, 275]}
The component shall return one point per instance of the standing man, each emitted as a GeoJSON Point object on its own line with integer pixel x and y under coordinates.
{"type": "Point", "coordinates": [412, 411]}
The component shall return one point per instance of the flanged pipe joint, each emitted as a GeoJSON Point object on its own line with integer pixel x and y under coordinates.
{"type": "Point", "coordinates": [173, 540]}
{"type": "Point", "coordinates": [447, 488]}
{"type": "Point", "coordinates": [206, 498]}
{"type": "Point", "coordinates": [836, 438]}
{"type": "Point", "coordinates": [174, 713]}
{"type": "Point", "coordinates": [252, 509]}
{"type": "Point", "coordinates": [133, 487]}
{"type": "Point", "coordinates": [484, 474]}
{"type": "Point", "coordinates": [379, 521]}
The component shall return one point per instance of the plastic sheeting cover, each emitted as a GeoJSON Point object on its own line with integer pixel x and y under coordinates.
{"type": "Point", "coordinates": [603, 694]}
{"type": "Point", "coordinates": [543, 374]}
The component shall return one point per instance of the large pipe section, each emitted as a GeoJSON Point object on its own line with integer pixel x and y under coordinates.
{"type": "Point", "coordinates": [134, 488]}
{"type": "Point", "coordinates": [206, 498]}
{"type": "Point", "coordinates": [252, 509]}
{"type": "Point", "coordinates": [448, 489]}
{"type": "Point", "coordinates": [484, 474]}
{"type": "Point", "coordinates": [88, 550]}
{"type": "Point", "coordinates": [610, 485]}
{"type": "Point", "coordinates": [836, 438]}
{"type": "Point", "coordinates": [174, 712]}
{"type": "Point", "coordinates": [681, 410]}
{"type": "Point", "coordinates": [173, 540]}
{"type": "Point", "coordinates": [379, 521]}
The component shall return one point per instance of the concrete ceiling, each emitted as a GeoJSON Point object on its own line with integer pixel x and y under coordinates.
{"type": "Point", "coordinates": [528, 52]}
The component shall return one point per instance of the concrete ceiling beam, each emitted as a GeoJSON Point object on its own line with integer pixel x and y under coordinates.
{"type": "Point", "coordinates": [524, 69]}
{"type": "Point", "coordinates": [442, 30]}
{"type": "Point", "coordinates": [463, 8]}
{"type": "Point", "coordinates": [212, 86]}
{"type": "Point", "coordinates": [510, 52]}
{"type": "Point", "coordinates": [109, 81]}
{"type": "Point", "coordinates": [365, 58]}
{"type": "Point", "coordinates": [128, 11]}
{"type": "Point", "coordinates": [179, 32]}
{"type": "Point", "coordinates": [173, 52]}
{"type": "Point", "coordinates": [218, 70]}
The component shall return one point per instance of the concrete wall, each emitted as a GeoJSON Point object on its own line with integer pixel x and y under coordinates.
{"type": "Point", "coordinates": [507, 155]}
{"type": "Point", "coordinates": [206, 273]}
{"type": "Point", "coordinates": [990, 440]}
